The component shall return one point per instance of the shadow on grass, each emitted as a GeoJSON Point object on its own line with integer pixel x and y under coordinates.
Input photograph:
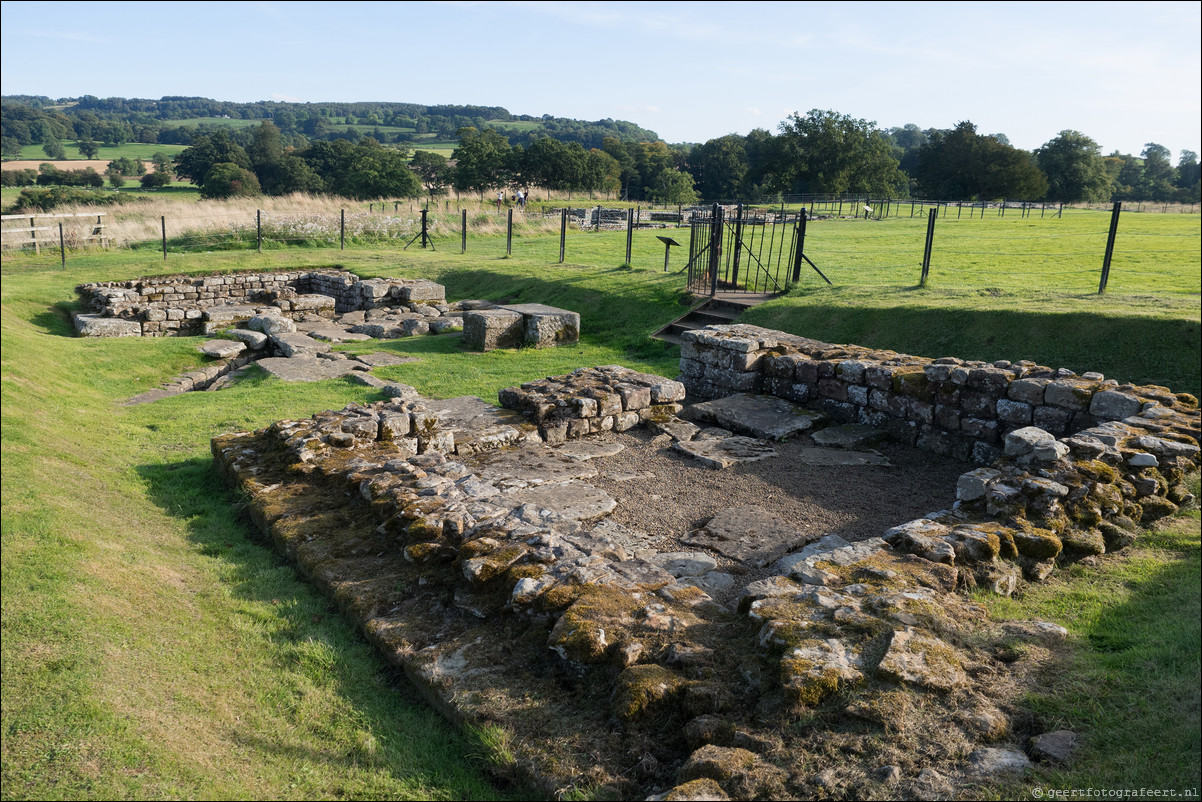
{"type": "Point", "coordinates": [253, 571]}
{"type": "Point", "coordinates": [1130, 349]}
{"type": "Point", "coordinates": [56, 320]}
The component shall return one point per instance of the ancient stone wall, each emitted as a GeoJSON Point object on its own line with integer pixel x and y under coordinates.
{"type": "Point", "coordinates": [192, 305]}
{"type": "Point", "coordinates": [949, 406]}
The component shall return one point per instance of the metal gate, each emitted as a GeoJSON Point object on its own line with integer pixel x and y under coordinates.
{"type": "Point", "coordinates": [734, 250]}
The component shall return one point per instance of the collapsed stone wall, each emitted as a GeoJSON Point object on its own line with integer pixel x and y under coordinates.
{"type": "Point", "coordinates": [949, 406]}
{"type": "Point", "coordinates": [192, 305]}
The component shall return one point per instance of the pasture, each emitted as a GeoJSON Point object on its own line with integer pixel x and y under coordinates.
{"type": "Point", "coordinates": [154, 646]}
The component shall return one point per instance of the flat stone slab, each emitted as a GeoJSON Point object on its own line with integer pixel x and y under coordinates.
{"type": "Point", "coordinates": [583, 450]}
{"type": "Point", "coordinates": [381, 359]}
{"type": "Point", "coordinates": [489, 329]}
{"type": "Point", "coordinates": [849, 435]}
{"type": "Point", "coordinates": [574, 500]}
{"type": "Point", "coordinates": [530, 466]}
{"type": "Point", "coordinates": [306, 368]}
{"type": "Point", "coordinates": [221, 349]}
{"type": "Point", "coordinates": [293, 344]}
{"type": "Point", "coordinates": [685, 563]}
{"type": "Point", "coordinates": [547, 325]}
{"type": "Point", "coordinates": [331, 333]}
{"type": "Point", "coordinates": [97, 326]}
{"type": "Point", "coordinates": [231, 313]}
{"type": "Point", "coordinates": [750, 534]}
{"type": "Point", "coordinates": [255, 340]}
{"type": "Point", "coordinates": [759, 416]}
{"type": "Point", "coordinates": [837, 456]}
{"type": "Point", "coordinates": [475, 424]}
{"type": "Point", "coordinates": [726, 452]}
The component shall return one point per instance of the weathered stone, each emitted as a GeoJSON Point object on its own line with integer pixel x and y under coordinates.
{"type": "Point", "coordinates": [1054, 747]}
{"type": "Point", "coordinates": [221, 349]}
{"type": "Point", "coordinates": [726, 452]}
{"type": "Point", "coordinates": [817, 668]}
{"type": "Point", "coordinates": [97, 326]}
{"type": "Point", "coordinates": [763, 417]}
{"type": "Point", "coordinates": [849, 435]}
{"type": "Point", "coordinates": [990, 761]}
{"type": "Point", "coordinates": [304, 369]}
{"type": "Point", "coordinates": [489, 329]}
{"type": "Point", "coordinates": [838, 456]}
{"type": "Point", "coordinates": [573, 500]}
{"type": "Point", "coordinates": [685, 563]}
{"type": "Point", "coordinates": [751, 535]}
{"type": "Point", "coordinates": [921, 659]}
{"type": "Point", "coordinates": [254, 340]}
{"type": "Point", "coordinates": [546, 326]}
{"type": "Point", "coordinates": [1113, 405]}
{"type": "Point", "coordinates": [271, 325]}
{"type": "Point", "coordinates": [381, 359]}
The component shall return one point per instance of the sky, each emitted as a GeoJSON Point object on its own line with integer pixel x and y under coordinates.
{"type": "Point", "coordinates": [1125, 73]}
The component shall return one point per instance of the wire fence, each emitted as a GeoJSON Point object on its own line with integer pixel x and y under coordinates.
{"type": "Point", "coordinates": [1026, 247]}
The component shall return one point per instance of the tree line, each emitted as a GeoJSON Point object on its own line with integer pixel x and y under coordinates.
{"type": "Point", "coordinates": [28, 120]}
{"type": "Point", "coordinates": [820, 152]}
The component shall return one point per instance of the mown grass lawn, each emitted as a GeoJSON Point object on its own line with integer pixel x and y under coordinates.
{"type": "Point", "coordinates": [154, 646]}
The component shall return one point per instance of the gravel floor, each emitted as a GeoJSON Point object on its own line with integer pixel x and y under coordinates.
{"type": "Point", "coordinates": [667, 494]}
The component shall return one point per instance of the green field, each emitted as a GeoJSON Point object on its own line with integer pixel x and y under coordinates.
{"type": "Point", "coordinates": [130, 150]}
{"type": "Point", "coordinates": [154, 646]}
{"type": "Point", "coordinates": [227, 122]}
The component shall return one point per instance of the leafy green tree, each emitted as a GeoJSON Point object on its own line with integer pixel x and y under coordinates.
{"type": "Point", "coordinates": [10, 146]}
{"type": "Point", "coordinates": [362, 171]}
{"type": "Point", "coordinates": [720, 167]}
{"type": "Point", "coordinates": [53, 149]}
{"type": "Point", "coordinates": [961, 164]}
{"type": "Point", "coordinates": [87, 147]}
{"type": "Point", "coordinates": [432, 169]}
{"type": "Point", "coordinates": [156, 179]}
{"type": "Point", "coordinates": [1158, 172]}
{"type": "Point", "coordinates": [836, 153]}
{"type": "Point", "coordinates": [161, 161]}
{"type": "Point", "coordinates": [279, 171]}
{"type": "Point", "coordinates": [481, 160]}
{"type": "Point", "coordinates": [602, 172]}
{"type": "Point", "coordinates": [674, 186]}
{"type": "Point", "coordinates": [229, 180]}
{"type": "Point", "coordinates": [1074, 168]}
{"type": "Point", "coordinates": [208, 150]}
{"type": "Point", "coordinates": [1189, 178]}
{"type": "Point", "coordinates": [116, 180]}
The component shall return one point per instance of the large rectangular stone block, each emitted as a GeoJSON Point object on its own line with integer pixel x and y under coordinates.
{"type": "Point", "coordinates": [489, 329]}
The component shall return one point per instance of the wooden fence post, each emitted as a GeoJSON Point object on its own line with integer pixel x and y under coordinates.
{"type": "Point", "coordinates": [342, 230]}
{"type": "Point", "coordinates": [62, 247]}
{"type": "Point", "coordinates": [163, 219]}
{"type": "Point", "coordinates": [259, 228]}
{"type": "Point", "coordinates": [509, 235]}
{"type": "Point", "coordinates": [463, 232]}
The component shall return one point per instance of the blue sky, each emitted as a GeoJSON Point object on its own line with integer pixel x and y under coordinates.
{"type": "Point", "coordinates": [1123, 73]}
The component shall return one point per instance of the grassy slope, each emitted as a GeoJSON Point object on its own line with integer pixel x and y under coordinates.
{"type": "Point", "coordinates": [153, 647]}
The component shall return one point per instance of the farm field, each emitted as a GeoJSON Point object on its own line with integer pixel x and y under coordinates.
{"type": "Point", "coordinates": [33, 155]}
{"type": "Point", "coordinates": [154, 647]}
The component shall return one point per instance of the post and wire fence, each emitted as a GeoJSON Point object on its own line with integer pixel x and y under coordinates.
{"type": "Point", "coordinates": [970, 244]}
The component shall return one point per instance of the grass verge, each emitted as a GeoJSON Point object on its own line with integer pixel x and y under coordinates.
{"type": "Point", "coordinates": [1128, 679]}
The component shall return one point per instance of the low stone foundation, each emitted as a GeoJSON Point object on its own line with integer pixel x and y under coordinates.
{"type": "Point", "coordinates": [466, 544]}
{"type": "Point", "coordinates": [192, 305]}
{"type": "Point", "coordinates": [949, 406]}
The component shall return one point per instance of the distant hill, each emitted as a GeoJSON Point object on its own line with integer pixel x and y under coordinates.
{"type": "Point", "coordinates": [173, 120]}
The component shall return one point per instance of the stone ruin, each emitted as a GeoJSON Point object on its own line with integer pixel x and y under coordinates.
{"type": "Point", "coordinates": [476, 557]}
{"type": "Point", "coordinates": [332, 304]}
{"type": "Point", "coordinates": [286, 322]}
